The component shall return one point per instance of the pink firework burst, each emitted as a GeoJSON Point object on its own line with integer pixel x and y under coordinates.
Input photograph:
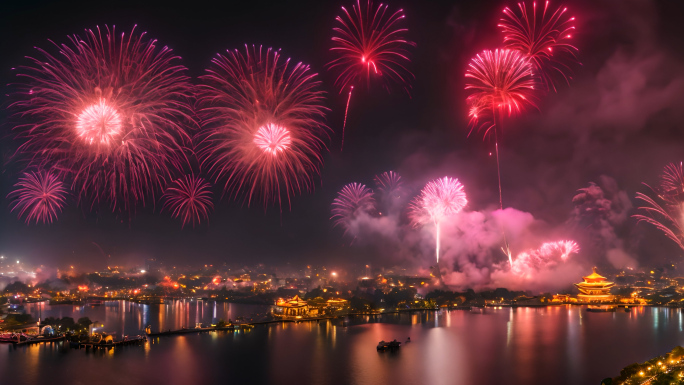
{"type": "Point", "coordinates": [353, 200]}
{"type": "Point", "coordinates": [389, 182]}
{"type": "Point", "coordinates": [666, 211]}
{"type": "Point", "coordinates": [501, 82]}
{"type": "Point", "coordinates": [390, 190]}
{"type": "Point", "coordinates": [273, 139]}
{"type": "Point", "coordinates": [547, 256]}
{"type": "Point", "coordinates": [438, 200]}
{"type": "Point", "coordinates": [109, 112]}
{"type": "Point", "coordinates": [368, 43]}
{"type": "Point", "coordinates": [543, 36]}
{"type": "Point", "coordinates": [39, 196]}
{"type": "Point", "coordinates": [263, 129]}
{"type": "Point", "coordinates": [189, 198]}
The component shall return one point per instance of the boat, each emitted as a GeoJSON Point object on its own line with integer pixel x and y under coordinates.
{"type": "Point", "coordinates": [392, 345]}
{"type": "Point", "coordinates": [602, 308]}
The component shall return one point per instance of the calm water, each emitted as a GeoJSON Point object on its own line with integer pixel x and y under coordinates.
{"type": "Point", "coordinates": [559, 345]}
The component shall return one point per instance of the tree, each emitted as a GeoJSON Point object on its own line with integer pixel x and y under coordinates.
{"type": "Point", "coordinates": [85, 322]}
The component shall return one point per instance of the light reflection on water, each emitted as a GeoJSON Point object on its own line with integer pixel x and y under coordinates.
{"type": "Point", "coordinates": [559, 345]}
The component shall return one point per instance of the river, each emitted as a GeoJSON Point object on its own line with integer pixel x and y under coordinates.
{"type": "Point", "coordinates": [521, 346]}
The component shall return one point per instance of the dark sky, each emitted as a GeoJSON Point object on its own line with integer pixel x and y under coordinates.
{"type": "Point", "coordinates": [621, 117]}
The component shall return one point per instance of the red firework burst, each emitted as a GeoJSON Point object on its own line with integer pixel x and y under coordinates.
{"type": "Point", "coordinates": [40, 196]}
{"type": "Point", "coordinates": [501, 81]}
{"type": "Point", "coordinates": [667, 212]}
{"type": "Point", "coordinates": [189, 198]}
{"type": "Point", "coordinates": [353, 200]}
{"type": "Point", "coordinates": [263, 129]}
{"type": "Point", "coordinates": [108, 112]}
{"type": "Point", "coordinates": [542, 36]}
{"type": "Point", "coordinates": [370, 44]}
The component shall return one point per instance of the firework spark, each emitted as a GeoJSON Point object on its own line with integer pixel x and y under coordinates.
{"type": "Point", "coordinates": [40, 196]}
{"type": "Point", "coordinates": [353, 200]}
{"type": "Point", "coordinates": [189, 198]}
{"type": "Point", "coordinates": [107, 113]}
{"type": "Point", "coordinates": [543, 37]}
{"type": "Point", "coordinates": [438, 200]}
{"type": "Point", "coordinates": [263, 129]}
{"type": "Point", "coordinates": [548, 255]}
{"type": "Point", "coordinates": [370, 44]}
{"type": "Point", "coordinates": [667, 212]}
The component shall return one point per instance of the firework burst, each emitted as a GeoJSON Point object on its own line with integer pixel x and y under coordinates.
{"type": "Point", "coordinates": [501, 82]}
{"type": "Point", "coordinates": [548, 255]}
{"type": "Point", "coordinates": [438, 200]}
{"type": "Point", "coordinates": [368, 43]}
{"type": "Point", "coordinates": [353, 200]}
{"type": "Point", "coordinates": [543, 36]}
{"type": "Point", "coordinates": [39, 196]}
{"type": "Point", "coordinates": [108, 112]}
{"type": "Point", "coordinates": [263, 129]}
{"type": "Point", "coordinates": [667, 212]}
{"type": "Point", "coordinates": [189, 198]}
{"type": "Point", "coordinates": [390, 190]}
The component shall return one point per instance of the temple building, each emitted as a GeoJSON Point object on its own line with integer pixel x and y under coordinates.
{"type": "Point", "coordinates": [595, 288]}
{"type": "Point", "coordinates": [293, 307]}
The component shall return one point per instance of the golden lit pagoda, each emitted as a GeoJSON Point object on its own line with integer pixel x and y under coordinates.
{"type": "Point", "coordinates": [595, 288]}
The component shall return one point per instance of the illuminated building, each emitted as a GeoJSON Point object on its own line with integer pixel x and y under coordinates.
{"type": "Point", "coordinates": [595, 288]}
{"type": "Point", "coordinates": [292, 307]}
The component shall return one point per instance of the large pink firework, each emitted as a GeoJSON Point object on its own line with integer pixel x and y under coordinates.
{"type": "Point", "coordinates": [189, 198]}
{"type": "Point", "coordinates": [263, 129]}
{"type": "Point", "coordinates": [666, 211]}
{"type": "Point", "coordinates": [438, 200]}
{"type": "Point", "coordinates": [108, 112]}
{"type": "Point", "coordinates": [547, 256]}
{"type": "Point", "coordinates": [369, 44]}
{"type": "Point", "coordinates": [543, 36]}
{"type": "Point", "coordinates": [39, 196]}
{"type": "Point", "coordinates": [353, 200]}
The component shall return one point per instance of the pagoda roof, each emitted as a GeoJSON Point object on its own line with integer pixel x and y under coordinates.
{"type": "Point", "coordinates": [594, 276]}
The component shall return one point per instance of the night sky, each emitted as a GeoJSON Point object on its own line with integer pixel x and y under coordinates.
{"type": "Point", "coordinates": [620, 118]}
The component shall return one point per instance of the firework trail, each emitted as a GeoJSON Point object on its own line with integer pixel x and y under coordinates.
{"type": "Point", "coordinates": [107, 112]}
{"type": "Point", "coordinates": [189, 198]}
{"type": "Point", "coordinates": [667, 212]}
{"type": "Point", "coordinates": [39, 195]}
{"type": "Point", "coordinates": [353, 200]}
{"type": "Point", "coordinates": [263, 126]}
{"type": "Point", "coordinates": [543, 37]}
{"type": "Point", "coordinates": [502, 82]}
{"type": "Point", "coordinates": [548, 255]}
{"type": "Point", "coordinates": [369, 43]}
{"type": "Point", "coordinates": [438, 200]}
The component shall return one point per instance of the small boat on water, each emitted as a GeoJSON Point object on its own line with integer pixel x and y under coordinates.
{"type": "Point", "coordinates": [392, 345]}
{"type": "Point", "coordinates": [602, 308]}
